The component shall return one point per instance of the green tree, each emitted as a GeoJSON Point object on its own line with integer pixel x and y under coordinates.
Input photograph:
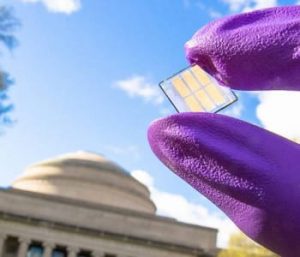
{"type": "Point", "coordinates": [241, 246]}
{"type": "Point", "coordinates": [8, 24]}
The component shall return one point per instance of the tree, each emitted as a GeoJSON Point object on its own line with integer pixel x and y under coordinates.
{"type": "Point", "coordinates": [241, 246]}
{"type": "Point", "coordinates": [8, 24]}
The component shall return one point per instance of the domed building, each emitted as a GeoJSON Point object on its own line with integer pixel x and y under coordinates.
{"type": "Point", "coordinates": [83, 205]}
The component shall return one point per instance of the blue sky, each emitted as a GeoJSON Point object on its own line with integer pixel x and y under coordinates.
{"type": "Point", "coordinates": [86, 79]}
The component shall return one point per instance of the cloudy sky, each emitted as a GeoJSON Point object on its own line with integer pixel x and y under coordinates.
{"type": "Point", "coordinates": [86, 77]}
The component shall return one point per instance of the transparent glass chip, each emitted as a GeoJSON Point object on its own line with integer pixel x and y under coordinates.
{"type": "Point", "coordinates": [194, 90]}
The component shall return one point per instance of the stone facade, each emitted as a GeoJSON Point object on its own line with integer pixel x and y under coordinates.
{"type": "Point", "coordinates": [37, 221]}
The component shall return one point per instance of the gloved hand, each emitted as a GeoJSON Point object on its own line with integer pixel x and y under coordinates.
{"type": "Point", "coordinates": [251, 174]}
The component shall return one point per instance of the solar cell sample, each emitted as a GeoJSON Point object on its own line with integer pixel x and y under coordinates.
{"type": "Point", "coordinates": [194, 90]}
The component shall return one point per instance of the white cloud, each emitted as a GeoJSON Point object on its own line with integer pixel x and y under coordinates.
{"type": "Point", "coordinates": [235, 5]}
{"type": "Point", "coordinates": [212, 13]}
{"type": "Point", "coordinates": [62, 6]}
{"type": "Point", "coordinates": [249, 5]}
{"type": "Point", "coordinates": [277, 111]}
{"type": "Point", "coordinates": [139, 86]}
{"type": "Point", "coordinates": [180, 208]}
{"type": "Point", "coordinates": [144, 177]}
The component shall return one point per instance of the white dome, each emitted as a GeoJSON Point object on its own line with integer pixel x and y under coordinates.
{"type": "Point", "coordinates": [87, 177]}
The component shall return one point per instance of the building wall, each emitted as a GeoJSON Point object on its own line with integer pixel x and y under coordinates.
{"type": "Point", "coordinates": [83, 205]}
{"type": "Point", "coordinates": [101, 218]}
{"type": "Point", "coordinates": [74, 242]}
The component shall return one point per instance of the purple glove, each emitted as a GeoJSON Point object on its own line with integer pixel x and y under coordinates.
{"type": "Point", "coordinates": [252, 51]}
{"type": "Point", "coordinates": [251, 174]}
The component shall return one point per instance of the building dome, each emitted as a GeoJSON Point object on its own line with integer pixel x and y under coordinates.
{"type": "Point", "coordinates": [87, 177]}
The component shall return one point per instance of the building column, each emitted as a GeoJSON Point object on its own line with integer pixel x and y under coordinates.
{"type": "Point", "coordinates": [48, 249]}
{"type": "Point", "coordinates": [98, 254]}
{"type": "Point", "coordinates": [72, 251]}
{"type": "Point", "coordinates": [23, 247]}
{"type": "Point", "coordinates": [2, 241]}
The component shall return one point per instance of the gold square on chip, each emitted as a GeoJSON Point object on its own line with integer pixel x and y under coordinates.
{"type": "Point", "coordinates": [205, 100]}
{"type": "Point", "coordinates": [215, 94]}
{"type": "Point", "coordinates": [200, 75]}
{"type": "Point", "coordinates": [194, 90]}
{"type": "Point", "coordinates": [193, 104]}
{"type": "Point", "coordinates": [181, 88]}
{"type": "Point", "coordinates": [190, 80]}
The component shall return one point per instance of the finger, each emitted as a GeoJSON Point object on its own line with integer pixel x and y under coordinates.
{"type": "Point", "coordinates": [239, 167]}
{"type": "Point", "coordinates": [251, 51]}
